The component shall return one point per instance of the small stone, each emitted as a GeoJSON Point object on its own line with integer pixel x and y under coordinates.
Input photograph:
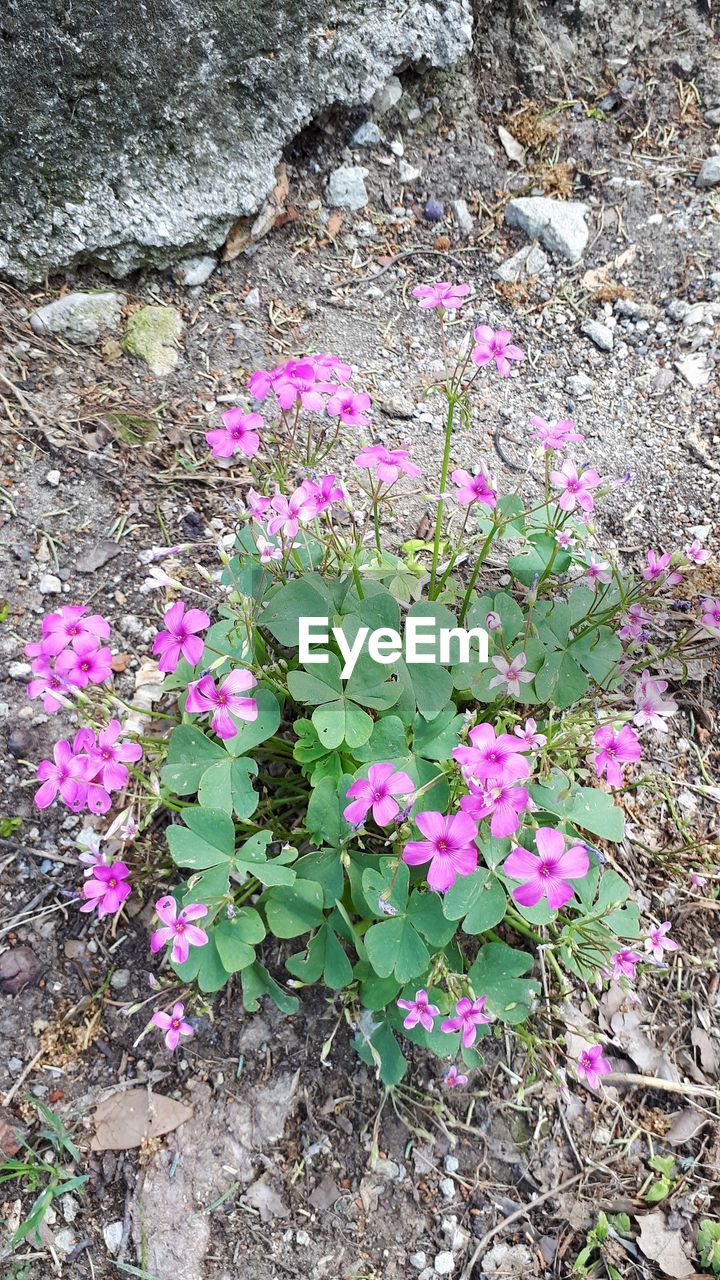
{"type": "Point", "coordinates": [81, 317]}
{"type": "Point", "coordinates": [53, 479]}
{"type": "Point", "coordinates": [251, 301]}
{"type": "Point", "coordinates": [112, 1235]}
{"type": "Point", "coordinates": [408, 172]}
{"type": "Point", "coordinates": [70, 1208]}
{"type": "Point", "coordinates": [151, 336]}
{"type": "Point", "coordinates": [49, 585]}
{"type": "Point", "coordinates": [713, 116]}
{"type": "Point", "coordinates": [19, 743]}
{"type": "Point", "coordinates": [709, 175]}
{"type": "Point", "coordinates": [434, 210]}
{"type": "Point", "coordinates": [462, 215]}
{"type": "Point", "coordinates": [528, 261]}
{"type": "Point", "coordinates": [65, 1240]}
{"type": "Point", "coordinates": [579, 385]}
{"type": "Point", "coordinates": [195, 271]}
{"type": "Point", "coordinates": [599, 334]}
{"type": "Point", "coordinates": [19, 670]}
{"type": "Point", "coordinates": [452, 1164]}
{"type": "Point", "coordinates": [418, 1260]}
{"type": "Point", "coordinates": [448, 1188]}
{"type": "Point", "coordinates": [387, 96]}
{"type": "Point", "coordinates": [457, 1237]}
{"type": "Point", "coordinates": [366, 135]}
{"type": "Point", "coordinates": [559, 224]}
{"type": "Point", "coordinates": [346, 188]}
{"type": "Point", "coordinates": [120, 979]}
{"type": "Point", "coordinates": [302, 1237]}
{"type": "Point", "coordinates": [444, 1263]}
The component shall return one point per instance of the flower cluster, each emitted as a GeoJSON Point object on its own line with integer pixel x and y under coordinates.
{"type": "Point", "coordinates": [69, 656]}
{"type": "Point", "coordinates": [84, 775]}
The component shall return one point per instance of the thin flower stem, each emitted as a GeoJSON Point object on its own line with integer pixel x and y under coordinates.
{"type": "Point", "coordinates": [432, 593]}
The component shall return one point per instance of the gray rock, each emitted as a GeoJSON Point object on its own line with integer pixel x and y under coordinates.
{"type": "Point", "coordinates": [151, 336]}
{"type": "Point", "coordinates": [408, 172]}
{"type": "Point", "coordinates": [387, 96]}
{"type": "Point", "coordinates": [418, 1260]}
{"type": "Point", "coordinates": [19, 670]}
{"type": "Point", "coordinates": [366, 135]}
{"type": "Point", "coordinates": [53, 479]}
{"type": "Point", "coordinates": [120, 979]}
{"type": "Point", "coordinates": [713, 116]}
{"type": "Point", "coordinates": [49, 585]}
{"type": "Point", "coordinates": [346, 187]}
{"type": "Point", "coordinates": [579, 385]}
{"type": "Point", "coordinates": [108, 163]}
{"type": "Point", "coordinates": [195, 271]}
{"type": "Point", "coordinates": [528, 261]}
{"type": "Point", "coordinates": [559, 224]}
{"type": "Point", "coordinates": [79, 317]}
{"type": "Point", "coordinates": [444, 1263]}
{"type": "Point", "coordinates": [448, 1188]}
{"type": "Point", "coordinates": [709, 175]}
{"type": "Point", "coordinates": [112, 1235]}
{"type": "Point", "coordinates": [462, 215]}
{"type": "Point", "coordinates": [599, 334]}
{"type": "Point", "coordinates": [65, 1240]}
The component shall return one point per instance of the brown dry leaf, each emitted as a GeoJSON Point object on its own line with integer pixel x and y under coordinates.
{"type": "Point", "coordinates": [628, 1034]}
{"type": "Point", "coordinates": [11, 1130]}
{"type": "Point", "coordinates": [707, 1050]}
{"type": "Point", "coordinates": [664, 1246]}
{"type": "Point", "coordinates": [686, 1125]}
{"type": "Point", "coordinates": [119, 662]}
{"type": "Point", "coordinates": [512, 148]}
{"type": "Point", "coordinates": [127, 1119]}
{"type": "Point", "coordinates": [334, 223]}
{"type": "Point", "coordinates": [239, 238]}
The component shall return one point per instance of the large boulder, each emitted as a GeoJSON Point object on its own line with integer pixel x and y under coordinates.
{"type": "Point", "coordinates": [133, 134]}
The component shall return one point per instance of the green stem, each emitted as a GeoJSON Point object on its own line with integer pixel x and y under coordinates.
{"type": "Point", "coordinates": [473, 577]}
{"type": "Point", "coordinates": [441, 502]}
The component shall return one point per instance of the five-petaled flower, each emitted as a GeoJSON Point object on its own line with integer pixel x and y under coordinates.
{"type": "Point", "coordinates": [498, 757]}
{"type": "Point", "coordinates": [225, 700]}
{"type": "Point", "coordinates": [495, 344]}
{"type": "Point", "coordinates": [469, 1015]}
{"type": "Point", "coordinates": [84, 663]}
{"type": "Point", "coordinates": [696, 553]}
{"type": "Point", "coordinates": [65, 775]}
{"type": "Point", "coordinates": [387, 464]}
{"type": "Point", "coordinates": [658, 942]}
{"type": "Point", "coordinates": [502, 803]}
{"type": "Point", "coordinates": [419, 1010]}
{"type": "Point", "coordinates": [511, 674]}
{"type": "Point", "coordinates": [70, 626]}
{"type": "Point", "coordinates": [613, 750]}
{"type": "Point", "coordinates": [658, 569]}
{"type": "Point", "coordinates": [556, 435]}
{"type": "Point", "coordinates": [449, 847]}
{"type": "Point", "coordinates": [178, 926]}
{"type": "Point", "coordinates": [576, 487]}
{"type": "Point", "coordinates": [441, 294]}
{"type": "Point", "coordinates": [591, 1065]}
{"type": "Point", "coordinates": [180, 640]}
{"type": "Point", "coordinates": [106, 888]}
{"type": "Point", "coordinates": [598, 570]}
{"type": "Point", "coordinates": [453, 1077]}
{"type": "Point", "coordinates": [624, 964]}
{"type": "Point", "coordinates": [652, 709]}
{"type": "Point", "coordinates": [710, 615]}
{"type": "Point", "coordinates": [173, 1024]}
{"type": "Point", "coordinates": [470, 488]}
{"type": "Point", "coordinates": [240, 431]}
{"type": "Point", "coordinates": [378, 790]}
{"type": "Point", "coordinates": [529, 735]}
{"type": "Point", "coordinates": [351, 408]}
{"type": "Point", "coordinates": [547, 873]}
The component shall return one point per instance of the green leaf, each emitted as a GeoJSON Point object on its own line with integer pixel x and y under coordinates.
{"type": "Point", "coordinates": [321, 684]}
{"type": "Point", "coordinates": [337, 970]}
{"type": "Point", "coordinates": [393, 946]}
{"type": "Point", "coordinates": [342, 721]}
{"type": "Point", "coordinates": [560, 680]}
{"type": "Point", "coordinates": [435, 739]}
{"type": "Point", "coordinates": [294, 909]}
{"type": "Point", "coordinates": [324, 818]}
{"type": "Point", "coordinates": [256, 982]}
{"type": "Point", "coordinates": [586, 807]}
{"type": "Point", "coordinates": [498, 974]}
{"type": "Point", "coordinates": [190, 754]}
{"type": "Point", "coordinates": [389, 883]}
{"type": "Point", "coordinates": [375, 993]}
{"type": "Point", "coordinates": [234, 951]}
{"type": "Point", "coordinates": [533, 563]}
{"type": "Point", "coordinates": [305, 597]}
{"type": "Point", "coordinates": [388, 741]}
{"type": "Point", "coordinates": [307, 965]}
{"type": "Point", "coordinates": [250, 733]}
{"type": "Point", "coordinates": [426, 913]}
{"type": "Point", "coordinates": [370, 684]}
{"type": "Point", "coordinates": [382, 1052]}
{"type": "Point", "coordinates": [226, 785]}
{"type": "Point", "coordinates": [511, 616]}
{"type": "Point", "coordinates": [598, 653]}
{"type": "Point", "coordinates": [206, 840]}
{"type": "Point", "coordinates": [326, 869]}
{"type": "Point", "coordinates": [480, 898]}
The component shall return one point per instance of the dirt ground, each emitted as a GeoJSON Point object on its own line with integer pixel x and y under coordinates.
{"type": "Point", "coordinates": [294, 1161]}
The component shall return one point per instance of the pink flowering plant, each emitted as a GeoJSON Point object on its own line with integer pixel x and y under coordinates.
{"type": "Point", "coordinates": [418, 831]}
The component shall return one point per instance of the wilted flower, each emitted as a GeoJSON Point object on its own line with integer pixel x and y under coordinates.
{"type": "Point", "coordinates": [479, 488]}
{"type": "Point", "coordinates": [598, 570]}
{"type": "Point", "coordinates": [657, 569]}
{"type": "Point", "coordinates": [652, 709]}
{"type": "Point", "coordinates": [493, 621]}
{"type": "Point", "coordinates": [624, 964]}
{"type": "Point", "coordinates": [453, 1077]}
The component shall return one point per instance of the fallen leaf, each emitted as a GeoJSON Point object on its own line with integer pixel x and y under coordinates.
{"type": "Point", "coordinates": [707, 1050]}
{"type": "Point", "coordinates": [97, 556]}
{"type": "Point", "coordinates": [11, 1131]}
{"type": "Point", "coordinates": [629, 1036]}
{"type": "Point", "coordinates": [596, 277]}
{"type": "Point", "coordinates": [663, 1246]}
{"type": "Point", "coordinates": [18, 968]}
{"type": "Point", "coordinates": [126, 1119]}
{"type": "Point", "coordinates": [119, 662]}
{"type": "Point", "coordinates": [627, 257]}
{"type": "Point", "coordinates": [239, 237]}
{"type": "Point", "coordinates": [334, 223]}
{"type": "Point", "coordinates": [686, 1125]}
{"type": "Point", "coordinates": [512, 148]}
{"type": "Point", "coordinates": [263, 1197]}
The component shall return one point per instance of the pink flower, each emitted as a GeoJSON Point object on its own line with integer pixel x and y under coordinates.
{"type": "Point", "coordinates": [69, 626]}
{"type": "Point", "coordinates": [511, 674]}
{"type": "Point", "coordinates": [378, 790]}
{"type": "Point", "coordinates": [419, 1011]}
{"type": "Point", "coordinates": [575, 488]}
{"type": "Point", "coordinates": [598, 570]}
{"type": "Point", "coordinates": [224, 701]}
{"type": "Point", "coordinates": [298, 382]}
{"type": "Point", "coordinates": [110, 755]}
{"type": "Point", "coordinates": [565, 539]}
{"type": "Point", "coordinates": [658, 941]}
{"type": "Point", "coordinates": [556, 435]}
{"type": "Point", "coordinates": [180, 639]}
{"type": "Point", "coordinates": [350, 408]}
{"type": "Point", "coordinates": [591, 1065]}
{"type": "Point", "coordinates": [326, 364]}
{"type": "Point", "coordinates": [710, 615]}
{"type": "Point", "coordinates": [615, 749]}
{"type": "Point", "coordinates": [288, 513]}
{"type": "Point", "coordinates": [652, 709]}
{"type": "Point", "coordinates": [173, 1025]}
{"type": "Point", "coordinates": [262, 380]}
{"type": "Point", "coordinates": [546, 874]}
{"type": "Point", "coordinates": [624, 964]}
{"type": "Point", "coordinates": [495, 345]}
{"type": "Point", "coordinates": [239, 432]}
{"type": "Point", "coordinates": [320, 495]}
{"type": "Point", "coordinates": [106, 889]}
{"type": "Point", "coordinates": [489, 757]}
{"type": "Point", "coordinates": [477, 488]}
{"type": "Point", "coordinates": [528, 735]}
{"type": "Point", "coordinates": [697, 880]}
{"type": "Point", "coordinates": [84, 664]}
{"type": "Point", "coordinates": [469, 1016]}
{"type": "Point", "coordinates": [493, 621]}
{"type": "Point", "coordinates": [49, 686]}
{"type": "Point", "coordinates": [387, 463]}
{"type": "Point", "coordinates": [66, 775]}
{"type": "Point", "coordinates": [257, 504]}
{"type": "Point", "coordinates": [656, 569]}
{"type": "Point", "coordinates": [449, 848]}
{"type": "Point", "coordinates": [453, 1077]}
{"type": "Point", "coordinates": [504, 803]}
{"type": "Point", "coordinates": [697, 553]}
{"type": "Point", "coordinates": [441, 294]}
{"type": "Point", "coordinates": [178, 926]}
{"type": "Point", "coordinates": [636, 620]}
{"type": "Point", "coordinates": [268, 550]}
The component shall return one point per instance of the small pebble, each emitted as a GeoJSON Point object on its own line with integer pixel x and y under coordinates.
{"type": "Point", "coordinates": [49, 585]}
{"type": "Point", "coordinates": [434, 211]}
{"type": "Point", "coordinates": [53, 479]}
{"type": "Point", "coordinates": [418, 1260]}
{"type": "Point", "coordinates": [444, 1263]}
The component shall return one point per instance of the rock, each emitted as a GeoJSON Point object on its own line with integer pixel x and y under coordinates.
{"type": "Point", "coordinates": [434, 211]}
{"type": "Point", "coordinates": [97, 556]}
{"type": "Point", "coordinates": [528, 261]}
{"type": "Point", "coordinates": [151, 336]}
{"type": "Point", "coordinates": [195, 271]}
{"type": "Point", "coordinates": [80, 317]}
{"type": "Point", "coordinates": [709, 175]}
{"type": "Point", "coordinates": [49, 585]}
{"type": "Point", "coordinates": [579, 385]}
{"type": "Point", "coordinates": [448, 1188]}
{"type": "Point", "coordinates": [511, 1261]}
{"type": "Point", "coordinates": [444, 1263]}
{"type": "Point", "coordinates": [408, 172]}
{"type": "Point", "coordinates": [18, 968]}
{"type": "Point", "coordinates": [65, 1240]}
{"type": "Point", "coordinates": [106, 164]}
{"type": "Point", "coordinates": [366, 135]}
{"type": "Point", "coordinates": [451, 1164]}
{"type": "Point", "coordinates": [462, 215]}
{"type": "Point", "coordinates": [53, 479]}
{"type": "Point", "coordinates": [112, 1235]}
{"type": "Point", "coordinates": [559, 224]}
{"type": "Point", "coordinates": [251, 301]}
{"type": "Point", "coordinates": [70, 1208]}
{"type": "Point", "coordinates": [457, 1237]}
{"type": "Point", "coordinates": [19, 670]}
{"type": "Point", "coordinates": [418, 1260]}
{"type": "Point", "coordinates": [387, 96]}
{"type": "Point", "coordinates": [120, 979]}
{"type": "Point", "coordinates": [712, 116]}
{"type": "Point", "coordinates": [19, 743]}
{"type": "Point", "coordinates": [346, 188]}
{"type": "Point", "coordinates": [599, 334]}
